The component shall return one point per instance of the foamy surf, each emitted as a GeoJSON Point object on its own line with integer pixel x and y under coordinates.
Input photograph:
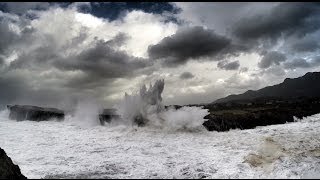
{"type": "Point", "coordinates": [146, 108]}
{"type": "Point", "coordinates": [65, 150]}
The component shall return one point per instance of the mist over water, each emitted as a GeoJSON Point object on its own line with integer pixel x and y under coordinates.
{"type": "Point", "coordinates": [146, 108]}
{"type": "Point", "coordinates": [143, 108]}
{"type": "Point", "coordinates": [86, 114]}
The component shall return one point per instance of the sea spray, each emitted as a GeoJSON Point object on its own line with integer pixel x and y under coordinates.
{"type": "Point", "coordinates": [4, 114]}
{"type": "Point", "coordinates": [185, 118]}
{"type": "Point", "coordinates": [85, 114]}
{"type": "Point", "coordinates": [146, 109]}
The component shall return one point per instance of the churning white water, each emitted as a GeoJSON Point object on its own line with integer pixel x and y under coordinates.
{"type": "Point", "coordinates": [65, 150]}
{"type": "Point", "coordinates": [160, 149]}
{"type": "Point", "coordinates": [146, 107]}
{"type": "Point", "coordinates": [85, 115]}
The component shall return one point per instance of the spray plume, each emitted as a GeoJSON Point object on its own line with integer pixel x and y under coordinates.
{"type": "Point", "coordinates": [146, 109]}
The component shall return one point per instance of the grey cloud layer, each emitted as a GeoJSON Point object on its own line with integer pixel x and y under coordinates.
{"type": "Point", "coordinates": [302, 63]}
{"type": "Point", "coordinates": [285, 19]}
{"type": "Point", "coordinates": [43, 73]}
{"type": "Point", "coordinates": [309, 45]}
{"type": "Point", "coordinates": [234, 65]}
{"type": "Point", "coordinates": [186, 75]}
{"type": "Point", "coordinates": [191, 43]}
{"type": "Point", "coordinates": [271, 58]}
{"type": "Point", "coordinates": [7, 36]}
{"type": "Point", "coordinates": [103, 61]}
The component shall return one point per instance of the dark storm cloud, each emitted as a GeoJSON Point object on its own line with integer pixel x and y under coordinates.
{"type": "Point", "coordinates": [305, 46]}
{"type": "Point", "coordinates": [284, 19]}
{"type": "Point", "coordinates": [40, 57]}
{"type": "Point", "coordinates": [11, 89]}
{"type": "Point", "coordinates": [297, 63]}
{"type": "Point", "coordinates": [102, 61]}
{"type": "Point", "coordinates": [234, 65]}
{"type": "Point", "coordinates": [270, 58]}
{"type": "Point", "coordinates": [186, 75]}
{"type": "Point", "coordinates": [1, 61]}
{"type": "Point", "coordinates": [22, 7]}
{"type": "Point", "coordinates": [303, 63]}
{"type": "Point", "coordinates": [8, 37]}
{"type": "Point", "coordinates": [96, 67]}
{"type": "Point", "coordinates": [315, 61]}
{"type": "Point", "coordinates": [191, 43]}
{"type": "Point", "coordinates": [17, 89]}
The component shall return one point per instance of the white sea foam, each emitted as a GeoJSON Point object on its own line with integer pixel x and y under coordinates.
{"type": "Point", "coordinates": [85, 114]}
{"type": "Point", "coordinates": [64, 150]}
{"type": "Point", "coordinates": [146, 108]}
{"type": "Point", "coordinates": [60, 149]}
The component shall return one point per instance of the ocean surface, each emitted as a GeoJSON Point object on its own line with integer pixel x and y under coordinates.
{"type": "Point", "coordinates": [70, 149]}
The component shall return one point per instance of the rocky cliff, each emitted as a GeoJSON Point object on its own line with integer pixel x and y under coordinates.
{"type": "Point", "coordinates": [8, 170]}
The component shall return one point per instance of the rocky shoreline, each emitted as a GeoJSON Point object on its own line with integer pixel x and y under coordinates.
{"type": "Point", "coordinates": [222, 117]}
{"type": "Point", "coordinates": [34, 113]}
{"type": "Point", "coordinates": [263, 112]}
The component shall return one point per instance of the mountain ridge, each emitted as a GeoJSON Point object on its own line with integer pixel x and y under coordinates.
{"type": "Point", "coordinates": [307, 85]}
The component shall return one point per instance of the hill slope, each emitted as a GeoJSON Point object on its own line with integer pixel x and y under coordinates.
{"type": "Point", "coordinates": [304, 86]}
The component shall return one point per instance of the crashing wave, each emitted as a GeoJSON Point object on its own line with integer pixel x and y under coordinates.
{"type": "Point", "coordinates": [146, 109]}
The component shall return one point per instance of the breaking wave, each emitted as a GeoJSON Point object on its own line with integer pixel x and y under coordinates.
{"type": "Point", "coordinates": [146, 109]}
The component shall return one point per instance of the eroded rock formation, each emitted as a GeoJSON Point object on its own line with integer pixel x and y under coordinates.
{"type": "Point", "coordinates": [34, 113]}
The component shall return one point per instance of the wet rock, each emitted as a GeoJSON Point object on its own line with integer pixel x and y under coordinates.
{"type": "Point", "coordinates": [244, 115]}
{"type": "Point", "coordinates": [34, 113]}
{"type": "Point", "coordinates": [8, 170]}
{"type": "Point", "coordinates": [140, 121]}
{"type": "Point", "coordinates": [107, 115]}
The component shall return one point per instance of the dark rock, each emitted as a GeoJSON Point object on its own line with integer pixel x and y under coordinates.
{"type": "Point", "coordinates": [111, 114]}
{"type": "Point", "coordinates": [8, 170]}
{"type": "Point", "coordinates": [140, 121]}
{"type": "Point", "coordinates": [304, 86]}
{"type": "Point", "coordinates": [226, 116]}
{"type": "Point", "coordinates": [34, 113]}
{"type": "Point", "coordinates": [107, 115]}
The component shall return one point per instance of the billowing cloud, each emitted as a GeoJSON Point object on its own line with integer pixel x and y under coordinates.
{"type": "Point", "coordinates": [185, 45]}
{"type": "Point", "coordinates": [186, 75]}
{"type": "Point", "coordinates": [22, 7]}
{"type": "Point", "coordinates": [284, 19]}
{"type": "Point", "coordinates": [297, 63]}
{"type": "Point", "coordinates": [103, 61]}
{"type": "Point", "coordinates": [309, 45]}
{"type": "Point", "coordinates": [270, 58]}
{"type": "Point", "coordinates": [8, 36]}
{"type": "Point", "coordinates": [234, 65]}
{"type": "Point", "coordinates": [64, 54]}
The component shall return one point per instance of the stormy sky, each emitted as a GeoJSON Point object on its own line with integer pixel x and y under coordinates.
{"type": "Point", "coordinates": [59, 54]}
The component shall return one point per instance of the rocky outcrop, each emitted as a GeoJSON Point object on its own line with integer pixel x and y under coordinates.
{"type": "Point", "coordinates": [8, 170]}
{"type": "Point", "coordinates": [227, 121]}
{"type": "Point", "coordinates": [34, 113]}
{"type": "Point", "coordinates": [107, 115]}
{"type": "Point", "coordinates": [226, 116]}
